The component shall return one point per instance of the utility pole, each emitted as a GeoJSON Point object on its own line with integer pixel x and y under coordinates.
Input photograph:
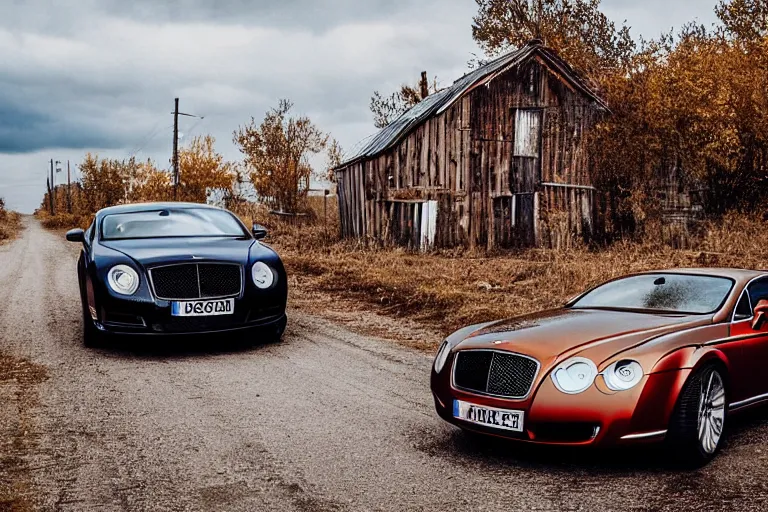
{"type": "Point", "coordinates": [176, 174]}
{"type": "Point", "coordinates": [69, 190]}
{"type": "Point", "coordinates": [52, 193]}
{"type": "Point", "coordinates": [176, 150]}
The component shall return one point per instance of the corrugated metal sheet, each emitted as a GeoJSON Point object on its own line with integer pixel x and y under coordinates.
{"type": "Point", "coordinates": [442, 100]}
{"type": "Point", "coordinates": [527, 133]}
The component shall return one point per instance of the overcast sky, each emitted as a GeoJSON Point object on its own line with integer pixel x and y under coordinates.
{"type": "Point", "coordinates": [101, 75]}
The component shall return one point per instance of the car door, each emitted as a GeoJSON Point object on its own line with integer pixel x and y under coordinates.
{"type": "Point", "coordinates": [754, 345]}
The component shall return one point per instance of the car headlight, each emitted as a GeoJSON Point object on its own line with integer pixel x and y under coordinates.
{"type": "Point", "coordinates": [442, 356]}
{"type": "Point", "coordinates": [123, 279]}
{"type": "Point", "coordinates": [574, 375]}
{"type": "Point", "coordinates": [623, 375]}
{"type": "Point", "coordinates": [263, 276]}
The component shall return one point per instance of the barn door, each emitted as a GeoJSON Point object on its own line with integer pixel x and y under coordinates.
{"type": "Point", "coordinates": [514, 219]}
{"type": "Point", "coordinates": [525, 172]}
{"type": "Point", "coordinates": [413, 224]}
{"type": "Point", "coordinates": [428, 224]}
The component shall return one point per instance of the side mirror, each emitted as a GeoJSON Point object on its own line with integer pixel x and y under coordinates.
{"type": "Point", "coordinates": [760, 314]}
{"type": "Point", "coordinates": [259, 232]}
{"type": "Point", "coordinates": [76, 235]}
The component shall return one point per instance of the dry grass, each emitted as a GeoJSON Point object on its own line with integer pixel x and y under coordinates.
{"type": "Point", "coordinates": [63, 220]}
{"type": "Point", "coordinates": [446, 290]}
{"type": "Point", "coordinates": [10, 225]}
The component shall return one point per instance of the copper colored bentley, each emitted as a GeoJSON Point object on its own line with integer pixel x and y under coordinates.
{"type": "Point", "coordinates": [651, 357]}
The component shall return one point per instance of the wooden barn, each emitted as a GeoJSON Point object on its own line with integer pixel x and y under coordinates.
{"type": "Point", "coordinates": [498, 159]}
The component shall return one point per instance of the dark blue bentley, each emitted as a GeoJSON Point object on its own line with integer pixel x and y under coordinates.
{"type": "Point", "coordinates": [177, 268]}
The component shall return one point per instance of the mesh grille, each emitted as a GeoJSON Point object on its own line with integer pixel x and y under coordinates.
{"type": "Point", "coordinates": [219, 280]}
{"type": "Point", "coordinates": [176, 282]}
{"type": "Point", "coordinates": [494, 373]}
{"type": "Point", "coordinates": [191, 281]}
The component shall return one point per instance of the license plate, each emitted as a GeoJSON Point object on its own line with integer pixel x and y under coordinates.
{"type": "Point", "coordinates": [498, 418]}
{"type": "Point", "coordinates": [203, 307]}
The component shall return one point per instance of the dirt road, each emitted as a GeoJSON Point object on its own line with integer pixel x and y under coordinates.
{"type": "Point", "coordinates": [325, 420]}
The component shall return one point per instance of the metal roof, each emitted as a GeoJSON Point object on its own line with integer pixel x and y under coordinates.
{"type": "Point", "coordinates": [437, 103]}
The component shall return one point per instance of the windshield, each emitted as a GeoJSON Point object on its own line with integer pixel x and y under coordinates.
{"type": "Point", "coordinates": [183, 222]}
{"type": "Point", "coordinates": [675, 293]}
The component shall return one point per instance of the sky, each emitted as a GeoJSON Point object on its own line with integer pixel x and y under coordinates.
{"type": "Point", "coordinates": [100, 76]}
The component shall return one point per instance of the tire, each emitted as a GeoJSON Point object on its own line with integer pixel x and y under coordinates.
{"type": "Point", "coordinates": [275, 333]}
{"type": "Point", "coordinates": [698, 422]}
{"type": "Point", "coordinates": [92, 338]}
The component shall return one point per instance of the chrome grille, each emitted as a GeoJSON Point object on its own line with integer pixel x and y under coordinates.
{"type": "Point", "coordinates": [496, 373]}
{"type": "Point", "coordinates": [191, 281]}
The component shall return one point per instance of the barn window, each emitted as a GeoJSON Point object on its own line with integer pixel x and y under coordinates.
{"type": "Point", "coordinates": [527, 132]}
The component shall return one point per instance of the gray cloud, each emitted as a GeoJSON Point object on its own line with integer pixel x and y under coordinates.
{"type": "Point", "coordinates": [101, 75]}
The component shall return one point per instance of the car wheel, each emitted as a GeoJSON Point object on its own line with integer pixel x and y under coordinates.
{"type": "Point", "coordinates": [698, 423]}
{"type": "Point", "coordinates": [92, 338]}
{"type": "Point", "coordinates": [275, 334]}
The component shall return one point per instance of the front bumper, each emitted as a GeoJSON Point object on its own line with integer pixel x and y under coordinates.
{"type": "Point", "coordinates": [154, 318]}
{"type": "Point", "coordinates": [596, 417]}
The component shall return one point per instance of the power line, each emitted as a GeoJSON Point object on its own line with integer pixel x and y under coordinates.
{"type": "Point", "coordinates": [192, 129]}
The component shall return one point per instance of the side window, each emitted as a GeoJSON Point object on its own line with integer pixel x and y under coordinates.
{"type": "Point", "coordinates": [743, 308]}
{"type": "Point", "coordinates": [758, 291]}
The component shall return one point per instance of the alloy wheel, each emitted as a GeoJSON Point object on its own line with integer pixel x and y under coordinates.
{"type": "Point", "coordinates": [711, 415]}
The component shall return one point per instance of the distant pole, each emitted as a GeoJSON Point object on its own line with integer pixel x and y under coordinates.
{"type": "Point", "coordinates": [69, 190]}
{"type": "Point", "coordinates": [424, 84]}
{"type": "Point", "coordinates": [325, 213]}
{"type": "Point", "coordinates": [48, 186]}
{"type": "Point", "coordinates": [176, 150]}
{"type": "Point", "coordinates": [53, 192]}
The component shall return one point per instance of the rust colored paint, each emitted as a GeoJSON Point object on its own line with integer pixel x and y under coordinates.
{"type": "Point", "coordinates": [669, 348]}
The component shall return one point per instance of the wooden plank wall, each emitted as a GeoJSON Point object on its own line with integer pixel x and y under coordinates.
{"type": "Point", "coordinates": [463, 158]}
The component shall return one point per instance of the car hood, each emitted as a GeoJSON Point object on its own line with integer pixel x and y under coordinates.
{"type": "Point", "coordinates": [551, 336]}
{"type": "Point", "coordinates": [156, 251]}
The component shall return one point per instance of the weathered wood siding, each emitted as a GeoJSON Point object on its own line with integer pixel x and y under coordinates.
{"type": "Point", "coordinates": [496, 184]}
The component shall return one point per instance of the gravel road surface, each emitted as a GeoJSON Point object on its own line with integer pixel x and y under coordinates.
{"type": "Point", "coordinates": [326, 420]}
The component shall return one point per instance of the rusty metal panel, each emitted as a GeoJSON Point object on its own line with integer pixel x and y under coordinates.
{"type": "Point", "coordinates": [527, 133]}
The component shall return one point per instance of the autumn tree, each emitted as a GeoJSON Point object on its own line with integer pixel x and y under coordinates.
{"type": "Point", "coordinates": [744, 20]}
{"type": "Point", "coordinates": [148, 183]}
{"type": "Point", "coordinates": [104, 181]}
{"type": "Point", "coordinates": [386, 109]}
{"type": "Point", "coordinates": [276, 154]}
{"type": "Point", "coordinates": [202, 169]}
{"type": "Point", "coordinates": [335, 157]}
{"type": "Point", "coordinates": [577, 29]}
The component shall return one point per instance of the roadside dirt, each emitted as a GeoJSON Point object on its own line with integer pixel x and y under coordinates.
{"type": "Point", "coordinates": [328, 419]}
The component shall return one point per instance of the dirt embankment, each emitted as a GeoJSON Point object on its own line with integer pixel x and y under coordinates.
{"type": "Point", "coordinates": [10, 224]}
{"type": "Point", "coordinates": [19, 380]}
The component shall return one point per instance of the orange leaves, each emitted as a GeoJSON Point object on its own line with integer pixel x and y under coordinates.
{"type": "Point", "coordinates": [577, 29]}
{"type": "Point", "coordinates": [107, 182]}
{"type": "Point", "coordinates": [276, 155]}
{"type": "Point", "coordinates": [203, 169]}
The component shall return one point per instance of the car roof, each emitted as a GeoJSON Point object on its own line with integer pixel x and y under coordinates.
{"type": "Point", "coordinates": [149, 207]}
{"type": "Point", "coordinates": [738, 274]}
